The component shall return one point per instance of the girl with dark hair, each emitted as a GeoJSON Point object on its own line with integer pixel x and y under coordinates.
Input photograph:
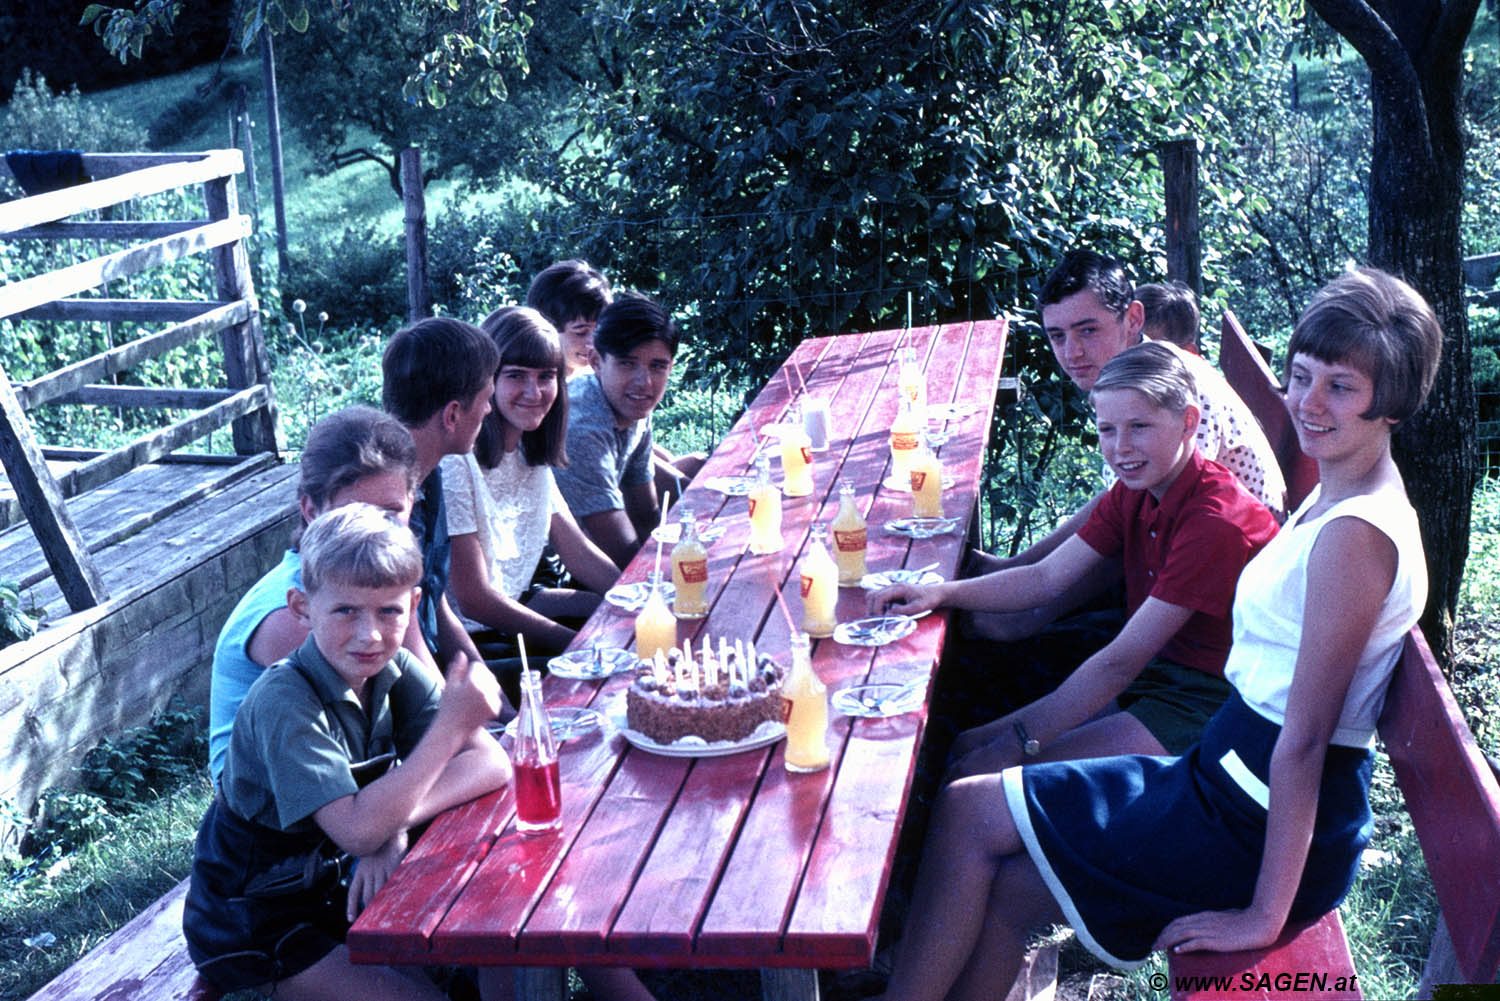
{"type": "Point", "coordinates": [504, 507]}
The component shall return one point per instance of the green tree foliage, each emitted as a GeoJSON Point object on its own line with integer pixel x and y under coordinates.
{"type": "Point", "coordinates": [480, 134]}
{"type": "Point", "coordinates": [793, 167]}
{"type": "Point", "coordinates": [468, 44]}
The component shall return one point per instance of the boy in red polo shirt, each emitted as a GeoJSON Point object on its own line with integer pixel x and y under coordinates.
{"type": "Point", "coordinates": [1183, 528]}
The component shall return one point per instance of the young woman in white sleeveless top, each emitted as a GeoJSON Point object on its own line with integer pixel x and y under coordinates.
{"type": "Point", "coordinates": [1264, 820]}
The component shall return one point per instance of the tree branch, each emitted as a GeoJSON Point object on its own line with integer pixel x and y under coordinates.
{"type": "Point", "coordinates": [1391, 68]}
{"type": "Point", "coordinates": [348, 157]}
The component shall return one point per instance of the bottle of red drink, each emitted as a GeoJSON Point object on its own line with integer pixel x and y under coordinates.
{"type": "Point", "coordinates": [538, 786]}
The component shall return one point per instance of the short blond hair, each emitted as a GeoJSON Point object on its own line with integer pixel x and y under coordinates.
{"type": "Point", "coordinates": [1153, 370]}
{"type": "Point", "coordinates": [359, 545]}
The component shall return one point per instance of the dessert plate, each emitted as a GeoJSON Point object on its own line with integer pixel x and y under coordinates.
{"type": "Point", "coordinates": [886, 578]}
{"type": "Point", "coordinates": [632, 597]}
{"type": "Point", "coordinates": [708, 531]}
{"type": "Point", "coordinates": [903, 484]}
{"type": "Point", "coordinates": [566, 722]}
{"type": "Point", "coordinates": [588, 665]}
{"type": "Point", "coordinates": [732, 486]}
{"type": "Point", "coordinates": [694, 747]}
{"type": "Point", "coordinates": [880, 700]}
{"type": "Point", "coordinates": [950, 411]}
{"type": "Point", "coordinates": [921, 528]}
{"type": "Point", "coordinates": [875, 631]}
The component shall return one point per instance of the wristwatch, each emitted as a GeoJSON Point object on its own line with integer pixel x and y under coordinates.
{"type": "Point", "coordinates": [1029, 747]}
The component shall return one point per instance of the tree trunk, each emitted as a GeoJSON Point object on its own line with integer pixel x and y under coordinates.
{"type": "Point", "coordinates": [1414, 49]}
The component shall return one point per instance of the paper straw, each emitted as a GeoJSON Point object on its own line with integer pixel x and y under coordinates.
{"type": "Point", "coordinates": [521, 643]}
{"type": "Point", "coordinates": [784, 610]}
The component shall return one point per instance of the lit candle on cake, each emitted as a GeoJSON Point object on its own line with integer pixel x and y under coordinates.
{"type": "Point", "coordinates": [710, 665]}
{"type": "Point", "coordinates": [659, 668]}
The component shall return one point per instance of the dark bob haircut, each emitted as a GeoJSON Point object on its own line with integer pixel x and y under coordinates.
{"type": "Point", "coordinates": [1382, 326]}
{"type": "Point", "coordinates": [523, 337]}
{"type": "Point", "coordinates": [567, 291]}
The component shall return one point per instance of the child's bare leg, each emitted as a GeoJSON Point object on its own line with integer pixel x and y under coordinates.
{"type": "Point", "coordinates": [1019, 901]}
{"type": "Point", "coordinates": [971, 839]}
{"type": "Point", "coordinates": [335, 978]}
{"type": "Point", "coordinates": [614, 983]}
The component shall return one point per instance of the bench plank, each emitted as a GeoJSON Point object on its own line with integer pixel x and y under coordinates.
{"type": "Point", "coordinates": [145, 959]}
{"type": "Point", "coordinates": [1246, 371]}
{"type": "Point", "coordinates": [1454, 802]}
{"type": "Point", "coordinates": [1316, 949]}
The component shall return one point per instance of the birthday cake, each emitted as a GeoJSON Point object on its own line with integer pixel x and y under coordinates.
{"type": "Point", "coordinates": [721, 695]}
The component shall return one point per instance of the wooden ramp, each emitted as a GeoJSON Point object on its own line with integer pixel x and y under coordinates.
{"type": "Point", "coordinates": [134, 555]}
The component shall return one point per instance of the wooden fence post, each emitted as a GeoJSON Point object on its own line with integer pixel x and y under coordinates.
{"type": "Point", "coordinates": [1179, 166]}
{"type": "Point", "coordinates": [417, 304]}
{"type": "Point", "coordinates": [244, 141]}
{"type": "Point", "coordinates": [245, 360]}
{"type": "Point", "coordinates": [278, 177]}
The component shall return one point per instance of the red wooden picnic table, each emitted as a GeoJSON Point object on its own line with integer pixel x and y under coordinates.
{"type": "Point", "coordinates": [730, 861]}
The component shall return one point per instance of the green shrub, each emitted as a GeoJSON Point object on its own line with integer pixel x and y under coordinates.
{"type": "Point", "coordinates": [146, 761]}
{"type": "Point", "coordinates": [38, 118]}
{"type": "Point", "coordinates": [66, 821]}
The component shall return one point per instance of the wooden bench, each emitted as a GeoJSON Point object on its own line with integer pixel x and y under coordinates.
{"type": "Point", "coordinates": [1450, 790]}
{"type": "Point", "coordinates": [146, 960]}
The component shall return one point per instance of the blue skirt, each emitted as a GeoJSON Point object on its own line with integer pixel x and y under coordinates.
{"type": "Point", "coordinates": [1127, 844]}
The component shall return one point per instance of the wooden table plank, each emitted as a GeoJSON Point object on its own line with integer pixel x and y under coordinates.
{"type": "Point", "coordinates": [850, 864]}
{"type": "Point", "coordinates": [401, 919]}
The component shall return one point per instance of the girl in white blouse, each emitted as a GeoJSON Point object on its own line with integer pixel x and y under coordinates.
{"type": "Point", "coordinates": [503, 506]}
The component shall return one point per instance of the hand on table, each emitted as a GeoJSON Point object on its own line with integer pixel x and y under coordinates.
{"type": "Point", "coordinates": [905, 599]}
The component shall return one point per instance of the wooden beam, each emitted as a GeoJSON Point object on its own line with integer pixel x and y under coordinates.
{"type": "Point", "coordinates": [244, 467]}
{"type": "Point", "coordinates": [42, 499]}
{"type": "Point", "coordinates": [148, 397]}
{"type": "Point", "coordinates": [56, 454]}
{"type": "Point", "coordinates": [246, 362]}
{"type": "Point", "coordinates": [148, 448]}
{"type": "Point", "coordinates": [1179, 167]}
{"type": "Point", "coordinates": [54, 205]}
{"type": "Point", "coordinates": [120, 310]}
{"type": "Point", "coordinates": [102, 230]}
{"type": "Point", "coordinates": [128, 355]}
{"type": "Point", "coordinates": [92, 273]}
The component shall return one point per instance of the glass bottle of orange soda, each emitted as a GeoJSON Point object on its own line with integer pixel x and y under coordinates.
{"type": "Point", "coordinates": [796, 461]}
{"type": "Point", "coordinates": [849, 538]}
{"type": "Point", "coordinates": [807, 712]}
{"type": "Point", "coordinates": [655, 627]}
{"type": "Point", "coordinates": [911, 380]}
{"type": "Point", "coordinates": [690, 571]}
{"type": "Point", "coordinates": [820, 587]}
{"type": "Point", "coordinates": [906, 435]}
{"type": "Point", "coordinates": [765, 510]}
{"type": "Point", "coordinates": [927, 484]}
